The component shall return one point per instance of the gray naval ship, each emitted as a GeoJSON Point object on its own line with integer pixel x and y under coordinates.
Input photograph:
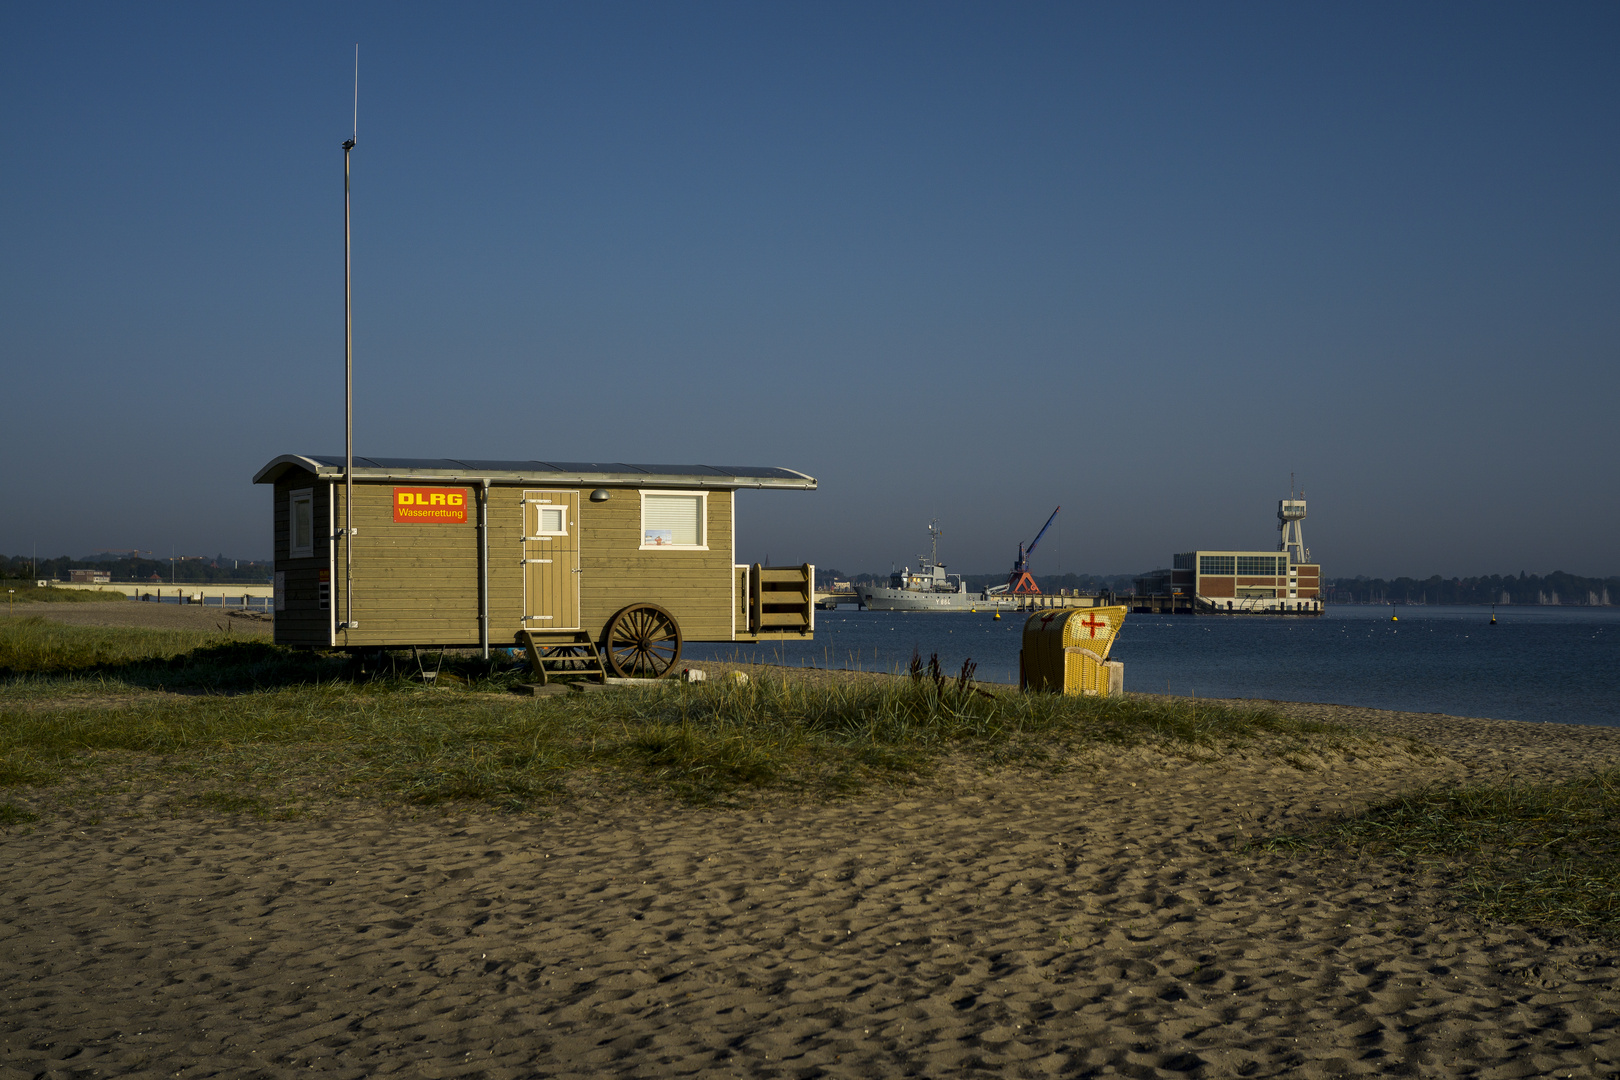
{"type": "Point", "coordinates": [930, 588]}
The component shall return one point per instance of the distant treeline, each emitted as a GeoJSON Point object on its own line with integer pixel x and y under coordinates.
{"type": "Point", "coordinates": [1555, 588]}
{"type": "Point", "coordinates": [191, 570]}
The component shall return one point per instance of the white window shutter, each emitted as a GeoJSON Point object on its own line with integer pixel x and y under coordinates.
{"type": "Point", "coordinates": [673, 520]}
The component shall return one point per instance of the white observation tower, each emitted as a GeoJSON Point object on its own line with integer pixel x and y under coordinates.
{"type": "Point", "coordinates": [1290, 512]}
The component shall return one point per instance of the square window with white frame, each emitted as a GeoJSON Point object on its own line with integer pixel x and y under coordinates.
{"type": "Point", "coordinates": [551, 521]}
{"type": "Point", "coordinates": [301, 524]}
{"type": "Point", "coordinates": [674, 519]}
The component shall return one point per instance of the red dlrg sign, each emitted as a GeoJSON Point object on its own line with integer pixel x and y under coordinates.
{"type": "Point", "coordinates": [430, 506]}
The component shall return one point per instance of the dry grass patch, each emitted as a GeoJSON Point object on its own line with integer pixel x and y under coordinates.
{"type": "Point", "coordinates": [1541, 854]}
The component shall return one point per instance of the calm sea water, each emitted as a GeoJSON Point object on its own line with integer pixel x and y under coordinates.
{"type": "Point", "coordinates": [1557, 664]}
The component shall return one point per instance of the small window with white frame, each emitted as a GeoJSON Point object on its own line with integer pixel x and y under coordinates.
{"type": "Point", "coordinates": [301, 524]}
{"type": "Point", "coordinates": [550, 520]}
{"type": "Point", "coordinates": [674, 519]}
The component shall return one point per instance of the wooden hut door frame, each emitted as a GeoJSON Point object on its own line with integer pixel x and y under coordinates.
{"type": "Point", "coordinates": [551, 570]}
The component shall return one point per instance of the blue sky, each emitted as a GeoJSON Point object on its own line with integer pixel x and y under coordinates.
{"type": "Point", "coordinates": [956, 261]}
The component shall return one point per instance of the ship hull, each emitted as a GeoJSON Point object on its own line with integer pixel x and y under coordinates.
{"type": "Point", "coordinates": [878, 599]}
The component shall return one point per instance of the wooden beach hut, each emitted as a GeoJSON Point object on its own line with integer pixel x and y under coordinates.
{"type": "Point", "coordinates": [576, 561]}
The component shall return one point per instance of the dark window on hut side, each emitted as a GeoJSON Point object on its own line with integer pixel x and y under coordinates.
{"type": "Point", "coordinates": [301, 524]}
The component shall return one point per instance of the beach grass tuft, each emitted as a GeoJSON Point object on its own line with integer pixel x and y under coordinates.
{"type": "Point", "coordinates": [12, 815]}
{"type": "Point", "coordinates": [229, 802]}
{"type": "Point", "coordinates": [1537, 854]}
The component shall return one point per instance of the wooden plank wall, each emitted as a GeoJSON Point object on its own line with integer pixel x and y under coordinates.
{"type": "Point", "coordinates": [694, 586]}
{"type": "Point", "coordinates": [302, 622]}
{"type": "Point", "coordinates": [418, 584]}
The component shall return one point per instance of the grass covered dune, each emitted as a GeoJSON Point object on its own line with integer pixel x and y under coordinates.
{"type": "Point", "coordinates": [212, 866]}
{"type": "Point", "coordinates": [26, 592]}
{"type": "Point", "coordinates": [80, 699]}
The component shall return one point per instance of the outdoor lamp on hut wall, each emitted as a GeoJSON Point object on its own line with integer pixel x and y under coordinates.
{"type": "Point", "coordinates": [600, 495]}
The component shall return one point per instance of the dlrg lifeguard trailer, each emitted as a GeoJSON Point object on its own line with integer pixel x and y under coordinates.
{"type": "Point", "coordinates": [566, 558]}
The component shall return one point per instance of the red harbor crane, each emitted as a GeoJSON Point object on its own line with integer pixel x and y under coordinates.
{"type": "Point", "coordinates": [1021, 581]}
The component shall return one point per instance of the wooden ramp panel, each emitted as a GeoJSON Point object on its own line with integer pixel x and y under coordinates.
{"type": "Point", "coordinates": [784, 598]}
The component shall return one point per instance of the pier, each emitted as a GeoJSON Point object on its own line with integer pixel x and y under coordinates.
{"type": "Point", "coordinates": [1042, 601]}
{"type": "Point", "coordinates": [1160, 604]}
{"type": "Point", "coordinates": [826, 600]}
{"type": "Point", "coordinates": [1153, 604]}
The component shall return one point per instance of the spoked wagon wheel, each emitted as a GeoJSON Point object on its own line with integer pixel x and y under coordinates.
{"type": "Point", "coordinates": [643, 642]}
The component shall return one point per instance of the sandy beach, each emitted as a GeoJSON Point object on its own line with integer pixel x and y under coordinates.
{"type": "Point", "coordinates": [1104, 921]}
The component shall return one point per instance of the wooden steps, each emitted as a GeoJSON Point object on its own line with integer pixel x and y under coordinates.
{"type": "Point", "coordinates": [555, 653]}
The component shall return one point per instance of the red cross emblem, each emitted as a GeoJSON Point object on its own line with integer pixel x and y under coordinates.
{"type": "Point", "coordinates": [1090, 622]}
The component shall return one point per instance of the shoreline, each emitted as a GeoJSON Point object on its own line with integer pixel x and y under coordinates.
{"type": "Point", "coordinates": [175, 616]}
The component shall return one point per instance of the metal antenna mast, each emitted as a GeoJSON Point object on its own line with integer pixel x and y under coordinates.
{"type": "Point", "coordinates": [348, 374]}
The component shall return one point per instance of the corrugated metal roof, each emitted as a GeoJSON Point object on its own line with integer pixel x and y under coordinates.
{"type": "Point", "coordinates": [541, 472]}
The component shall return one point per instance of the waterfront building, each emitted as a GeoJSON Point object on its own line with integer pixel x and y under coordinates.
{"type": "Point", "coordinates": [1247, 582]}
{"type": "Point", "coordinates": [1281, 582]}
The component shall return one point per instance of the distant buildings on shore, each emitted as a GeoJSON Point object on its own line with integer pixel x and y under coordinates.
{"type": "Point", "coordinates": [1247, 582]}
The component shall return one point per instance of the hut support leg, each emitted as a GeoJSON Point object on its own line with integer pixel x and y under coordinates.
{"type": "Point", "coordinates": [421, 668]}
